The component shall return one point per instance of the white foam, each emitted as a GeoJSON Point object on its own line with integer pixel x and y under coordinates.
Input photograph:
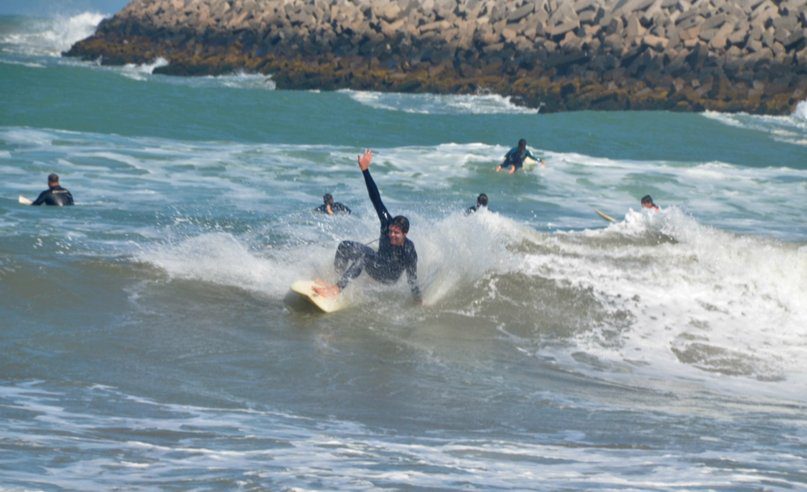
{"type": "Point", "coordinates": [800, 113]}
{"type": "Point", "coordinates": [52, 36]}
{"type": "Point", "coordinates": [708, 303]}
{"type": "Point", "coordinates": [439, 103]}
{"type": "Point", "coordinates": [142, 71]}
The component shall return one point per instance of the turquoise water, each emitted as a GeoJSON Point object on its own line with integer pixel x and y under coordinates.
{"type": "Point", "coordinates": [149, 339]}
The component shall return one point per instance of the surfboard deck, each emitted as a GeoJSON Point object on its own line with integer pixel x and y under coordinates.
{"type": "Point", "coordinates": [604, 215]}
{"type": "Point", "coordinates": [326, 304]}
{"type": "Point", "coordinates": [529, 163]}
{"type": "Point", "coordinates": [24, 201]}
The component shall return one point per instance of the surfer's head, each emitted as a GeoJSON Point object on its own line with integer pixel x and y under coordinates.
{"type": "Point", "coordinates": [522, 144]}
{"type": "Point", "coordinates": [482, 200]}
{"type": "Point", "coordinates": [53, 180]}
{"type": "Point", "coordinates": [647, 202]}
{"type": "Point", "coordinates": [327, 199]}
{"type": "Point", "coordinates": [398, 229]}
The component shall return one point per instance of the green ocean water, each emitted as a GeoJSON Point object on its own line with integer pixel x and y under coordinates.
{"type": "Point", "coordinates": [150, 341]}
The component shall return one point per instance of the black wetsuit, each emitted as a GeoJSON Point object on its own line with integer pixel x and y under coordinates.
{"type": "Point", "coordinates": [56, 195]}
{"type": "Point", "coordinates": [516, 158]}
{"type": "Point", "coordinates": [388, 263]}
{"type": "Point", "coordinates": [337, 208]}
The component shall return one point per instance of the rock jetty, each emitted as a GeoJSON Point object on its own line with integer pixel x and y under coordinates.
{"type": "Point", "coordinates": [725, 55]}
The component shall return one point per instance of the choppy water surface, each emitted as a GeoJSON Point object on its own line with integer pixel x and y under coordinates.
{"type": "Point", "coordinates": [149, 339]}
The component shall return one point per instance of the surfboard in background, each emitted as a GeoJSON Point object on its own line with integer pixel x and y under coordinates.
{"type": "Point", "coordinates": [604, 216]}
{"type": "Point", "coordinates": [326, 304]}
{"type": "Point", "coordinates": [24, 201]}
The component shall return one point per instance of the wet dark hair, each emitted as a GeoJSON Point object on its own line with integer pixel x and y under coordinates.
{"type": "Point", "coordinates": [647, 199]}
{"type": "Point", "coordinates": [482, 199]}
{"type": "Point", "coordinates": [53, 178]}
{"type": "Point", "coordinates": [402, 222]}
{"type": "Point", "coordinates": [327, 198]}
{"type": "Point", "coordinates": [522, 142]}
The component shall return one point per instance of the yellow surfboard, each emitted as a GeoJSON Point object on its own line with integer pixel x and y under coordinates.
{"type": "Point", "coordinates": [326, 304]}
{"type": "Point", "coordinates": [604, 216]}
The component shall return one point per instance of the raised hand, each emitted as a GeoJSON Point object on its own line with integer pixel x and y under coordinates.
{"type": "Point", "coordinates": [365, 159]}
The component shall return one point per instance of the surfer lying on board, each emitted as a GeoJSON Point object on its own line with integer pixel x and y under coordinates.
{"type": "Point", "coordinates": [647, 202]}
{"type": "Point", "coordinates": [481, 202]}
{"type": "Point", "coordinates": [514, 159]}
{"type": "Point", "coordinates": [395, 252]}
{"type": "Point", "coordinates": [55, 194]}
{"type": "Point", "coordinates": [330, 207]}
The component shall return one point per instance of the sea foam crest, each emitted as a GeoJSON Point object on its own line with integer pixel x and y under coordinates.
{"type": "Point", "coordinates": [800, 112]}
{"type": "Point", "coordinates": [439, 103]}
{"type": "Point", "coordinates": [50, 37]}
{"type": "Point", "coordinates": [141, 72]}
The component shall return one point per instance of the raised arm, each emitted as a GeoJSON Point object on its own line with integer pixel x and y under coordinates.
{"type": "Point", "coordinates": [364, 164]}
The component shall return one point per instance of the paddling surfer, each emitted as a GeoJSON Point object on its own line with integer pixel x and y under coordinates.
{"type": "Point", "coordinates": [395, 254]}
{"type": "Point", "coordinates": [55, 195]}
{"type": "Point", "coordinates": [330, 207]}
{"type": "Point", "coordinates": [481, 202]}
{"type": "Point", "coordinates": [514, 158]}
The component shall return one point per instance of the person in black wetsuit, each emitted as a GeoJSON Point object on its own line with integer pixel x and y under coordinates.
{"type": "Point", "coordinates": [330, 207]}
{"type": "Point", "coordinates": [514, 158]}
{"type": "Point", "coordinates": [55, 194]}
{"type": "Point", "coordinates": [395, 254]}
{"type": "Point", "coordinates": [481, 202]}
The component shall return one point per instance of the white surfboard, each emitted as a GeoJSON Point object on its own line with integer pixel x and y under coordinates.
{"type": "Point", "coordinates": [24, 201]}
{"type": "Point", "coordinates": [326, 304]}
{"type": "Point", "coordinates": [530, 163]}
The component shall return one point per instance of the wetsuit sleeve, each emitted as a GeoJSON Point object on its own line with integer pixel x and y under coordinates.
{"type": "Point", "coordinates": [70, 199]}
{"type": "Point", "coordinates": [41, 198]}
{"type": "Point", "coordinates": [375, 197]}
{"type": "Point", "coordinates": [532, 156]}
{"type": "Point", "coordinates": [412, 275]}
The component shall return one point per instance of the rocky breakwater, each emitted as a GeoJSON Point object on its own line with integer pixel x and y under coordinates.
{"type": "Point", "coordinates": [740, 55]}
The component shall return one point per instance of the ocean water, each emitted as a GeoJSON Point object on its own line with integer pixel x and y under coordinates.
{"type": "Point", "coordinates": [149, 340]}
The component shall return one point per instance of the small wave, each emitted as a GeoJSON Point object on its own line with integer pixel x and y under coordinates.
{"type": "Point", "coordinates": [790, 129]}
{"type": "Point", "coordinates": [439, 103]}
{"type": "Point", "coordinates": [23, 64]}
{"type": "Point", "coordinates": [141, 72]}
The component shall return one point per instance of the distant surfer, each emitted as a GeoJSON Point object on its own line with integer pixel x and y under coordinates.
{"type": "Point", "coordinates": [55, 195]}
{"type": "Point", "coordinates": [330, 207]}
{"type": "Point", "coordinates": [481, 202]}
{"type": "Point", "coordinates": [647, 202]}
{"type": "Point", "coordinates": [395, 254]}
{"type": "Point", "coordinates": [514, 158]}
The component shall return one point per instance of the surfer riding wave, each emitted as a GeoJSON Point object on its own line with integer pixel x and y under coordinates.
{"type": "Point", "coordinates": [395, 254]}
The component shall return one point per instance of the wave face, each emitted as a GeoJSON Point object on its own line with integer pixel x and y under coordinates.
{"type": "Point", "coordinates": [149, 337]}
